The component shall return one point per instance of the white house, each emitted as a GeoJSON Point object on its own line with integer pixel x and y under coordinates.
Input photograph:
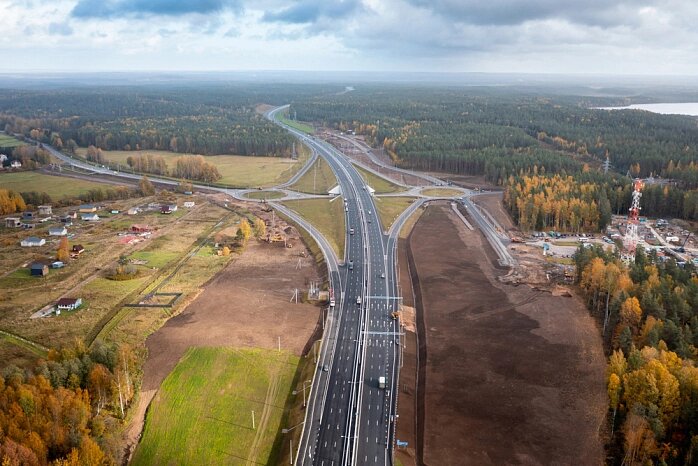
{"type": "Point", "coordinates": [12, 222]}
{"type": "Point", "coordinates": [3, 158]}
{"type": "Point", "coordinates": [57, 231]}
{"type": "Point", "coordinates": [89, 217]}
{"type": "Point", "coordinates": [32, 241]}
{"type": "Point", "coordinates": [68, 304]}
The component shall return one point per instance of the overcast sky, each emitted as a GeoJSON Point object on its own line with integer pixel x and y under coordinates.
{"type": "Point", "coordinates": [658, 37]}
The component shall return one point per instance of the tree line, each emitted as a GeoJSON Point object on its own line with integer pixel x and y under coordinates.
{"type": "Point", "coordinates": [67, 409]}
{"type": "Point", "coordinates": [650, 329]}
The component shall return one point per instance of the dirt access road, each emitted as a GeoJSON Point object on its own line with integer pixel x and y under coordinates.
{"type": "Point", "coordinates": [512, 375]}
{"type": "Point", "coordinates": [245, 305]}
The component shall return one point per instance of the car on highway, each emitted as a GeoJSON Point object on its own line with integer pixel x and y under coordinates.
{"type": "Point", "coordinates": [358, 300]}
{"type": "Point", "coordinates": [351, 265]}
{"type": "Point", "coordinates": [351, 231]}
{"type": "Point", "coordinates": [382, 275]}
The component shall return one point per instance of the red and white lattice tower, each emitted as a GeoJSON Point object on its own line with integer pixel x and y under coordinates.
{"type": "Point", "coordinates": [631, 235]}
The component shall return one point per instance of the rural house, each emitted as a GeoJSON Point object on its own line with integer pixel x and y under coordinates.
{"type": "Point", "coordinates": [57, 265]}
{"type": "Point", "coordinates": [38, 269]}
{"type": "Point", "coordinates": [189, 204]}
{"type": "Point", "coordinates": [45, 210]}
{"type": "Point", "coordinates": [67, 220]}
{"type": "Point", "coordinates": [89, 217]}
{"type": "Point", "coordinates": [32, 241]}
{"type": "Point", "coordinates": [133, 211]}
{"type": "Point", "coordinates": [15, 164]}
{"type": "Point", "coordinates": [28, 215]}
{"type": "Point", "coordinates": [68, 304]}
{"type": "Point", "coordinates": [57, 231]}
{"type": "Point", "coordinates": [71, 214]}
{"type": "Point", "coordinates": [12, 222]}
{"type": "Point", "coordinates": [87, 209]}
{"type": "Point", "coordinates": [137, 228]}
{"type": "Point", "coordinates": [77, 249]}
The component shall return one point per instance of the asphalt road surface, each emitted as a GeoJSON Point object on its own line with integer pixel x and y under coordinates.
{"type": "Point", "coordinates": [350, 419]}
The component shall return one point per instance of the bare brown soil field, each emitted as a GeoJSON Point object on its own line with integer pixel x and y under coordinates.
{"type": "Point", "coordinates": [512, 375]}
{"type": "Point", "coordinates": [245, 305]}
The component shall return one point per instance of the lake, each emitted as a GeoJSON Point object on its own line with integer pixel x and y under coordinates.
{"type": "Point", "coordinates": [683, 108]}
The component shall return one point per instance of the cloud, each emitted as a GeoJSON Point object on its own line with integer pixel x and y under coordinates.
{"type": "Point", "coordinates": [60, 29]}
{"type": "Point", "coordinates": [514, 12]}
{"type": "Point", "coordinates": [114, 8]}
{"type": "Point", "coordinates": [309, 11]}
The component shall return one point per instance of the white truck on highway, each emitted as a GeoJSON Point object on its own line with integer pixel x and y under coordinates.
{"type": "Point", "coordinates": [381, 382]}
{"type": "Point", "coordinates": [358, 300]}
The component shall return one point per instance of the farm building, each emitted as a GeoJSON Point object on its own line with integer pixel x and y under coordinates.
{"type": "Point", "coordinates": [68, 304]}
{"type": "Point", "coordinates": [12, 222]}
{"type": "Point", "coordinates": [89, 217]}
{"type": "Point", "coordinates": [137, 228]}
{"type": "Point", "coordinates": [32, 241]}
{"type": "Point", "coordinates": [189, 204]}
{"type": "Point", "coordinates": [87, 209]}
{"type": "Point", "coordinates": [133, 211]}
{"type": "Point", "coordinates": [38, 269]}
{"type": "Point", "coordinates": [28, 215]}
{"type": "Point", "coordinates": [77, 249]}
{"type": "Point", "coordinates": [57, 231]}
{"type": "Point", "coordinates": [45, 210]}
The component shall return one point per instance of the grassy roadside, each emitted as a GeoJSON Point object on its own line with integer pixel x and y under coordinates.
{"type": "Point", "coordinates": [390, 208]}
{"type": "Point", "coordinates": [264, 195]}
{"type": "Point", "coordinates": [380, 184]}
{"type": "Point", "coordinates": [212, 393]}
{"type": "Point", "coordinates": [325, 215]}
{"type": "Point", "coordinates": [300, 126]}
{"type": "Point", "coordinates": [319, 179]}
{"type": "Point", "coordinates": [442, 192]}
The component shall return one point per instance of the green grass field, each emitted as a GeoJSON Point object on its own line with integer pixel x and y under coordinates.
{"type": "Point", "coordinates": [9, 141]}
{"type": "Point", "coordinates": [202, 413]}
{"type": "Point", "coordinates": [380, 184]}
{"type": "Point", "coordinates": [327, 217]}
{"type": "Point", "coordinates": [317, 180]}
{"type": "Point", "coordinates": [390, 208]}
{"type": "Point", "coordinates": [237, 170]}
{"type": "Point", "coordinates": [442, 192]}
{"type": "Point", "coordinates": [300, 126]}
{"type": "Point", "coordinates": [264, 195]}
{"type": "Point", "coordinates": [57, 187]}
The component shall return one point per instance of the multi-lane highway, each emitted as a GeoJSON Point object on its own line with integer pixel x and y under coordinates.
{"type": "Point", "coordinates": [350, 419]}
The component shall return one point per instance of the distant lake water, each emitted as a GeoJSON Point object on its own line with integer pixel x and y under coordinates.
{"type": "Point", "coordinates": [685, 108]}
